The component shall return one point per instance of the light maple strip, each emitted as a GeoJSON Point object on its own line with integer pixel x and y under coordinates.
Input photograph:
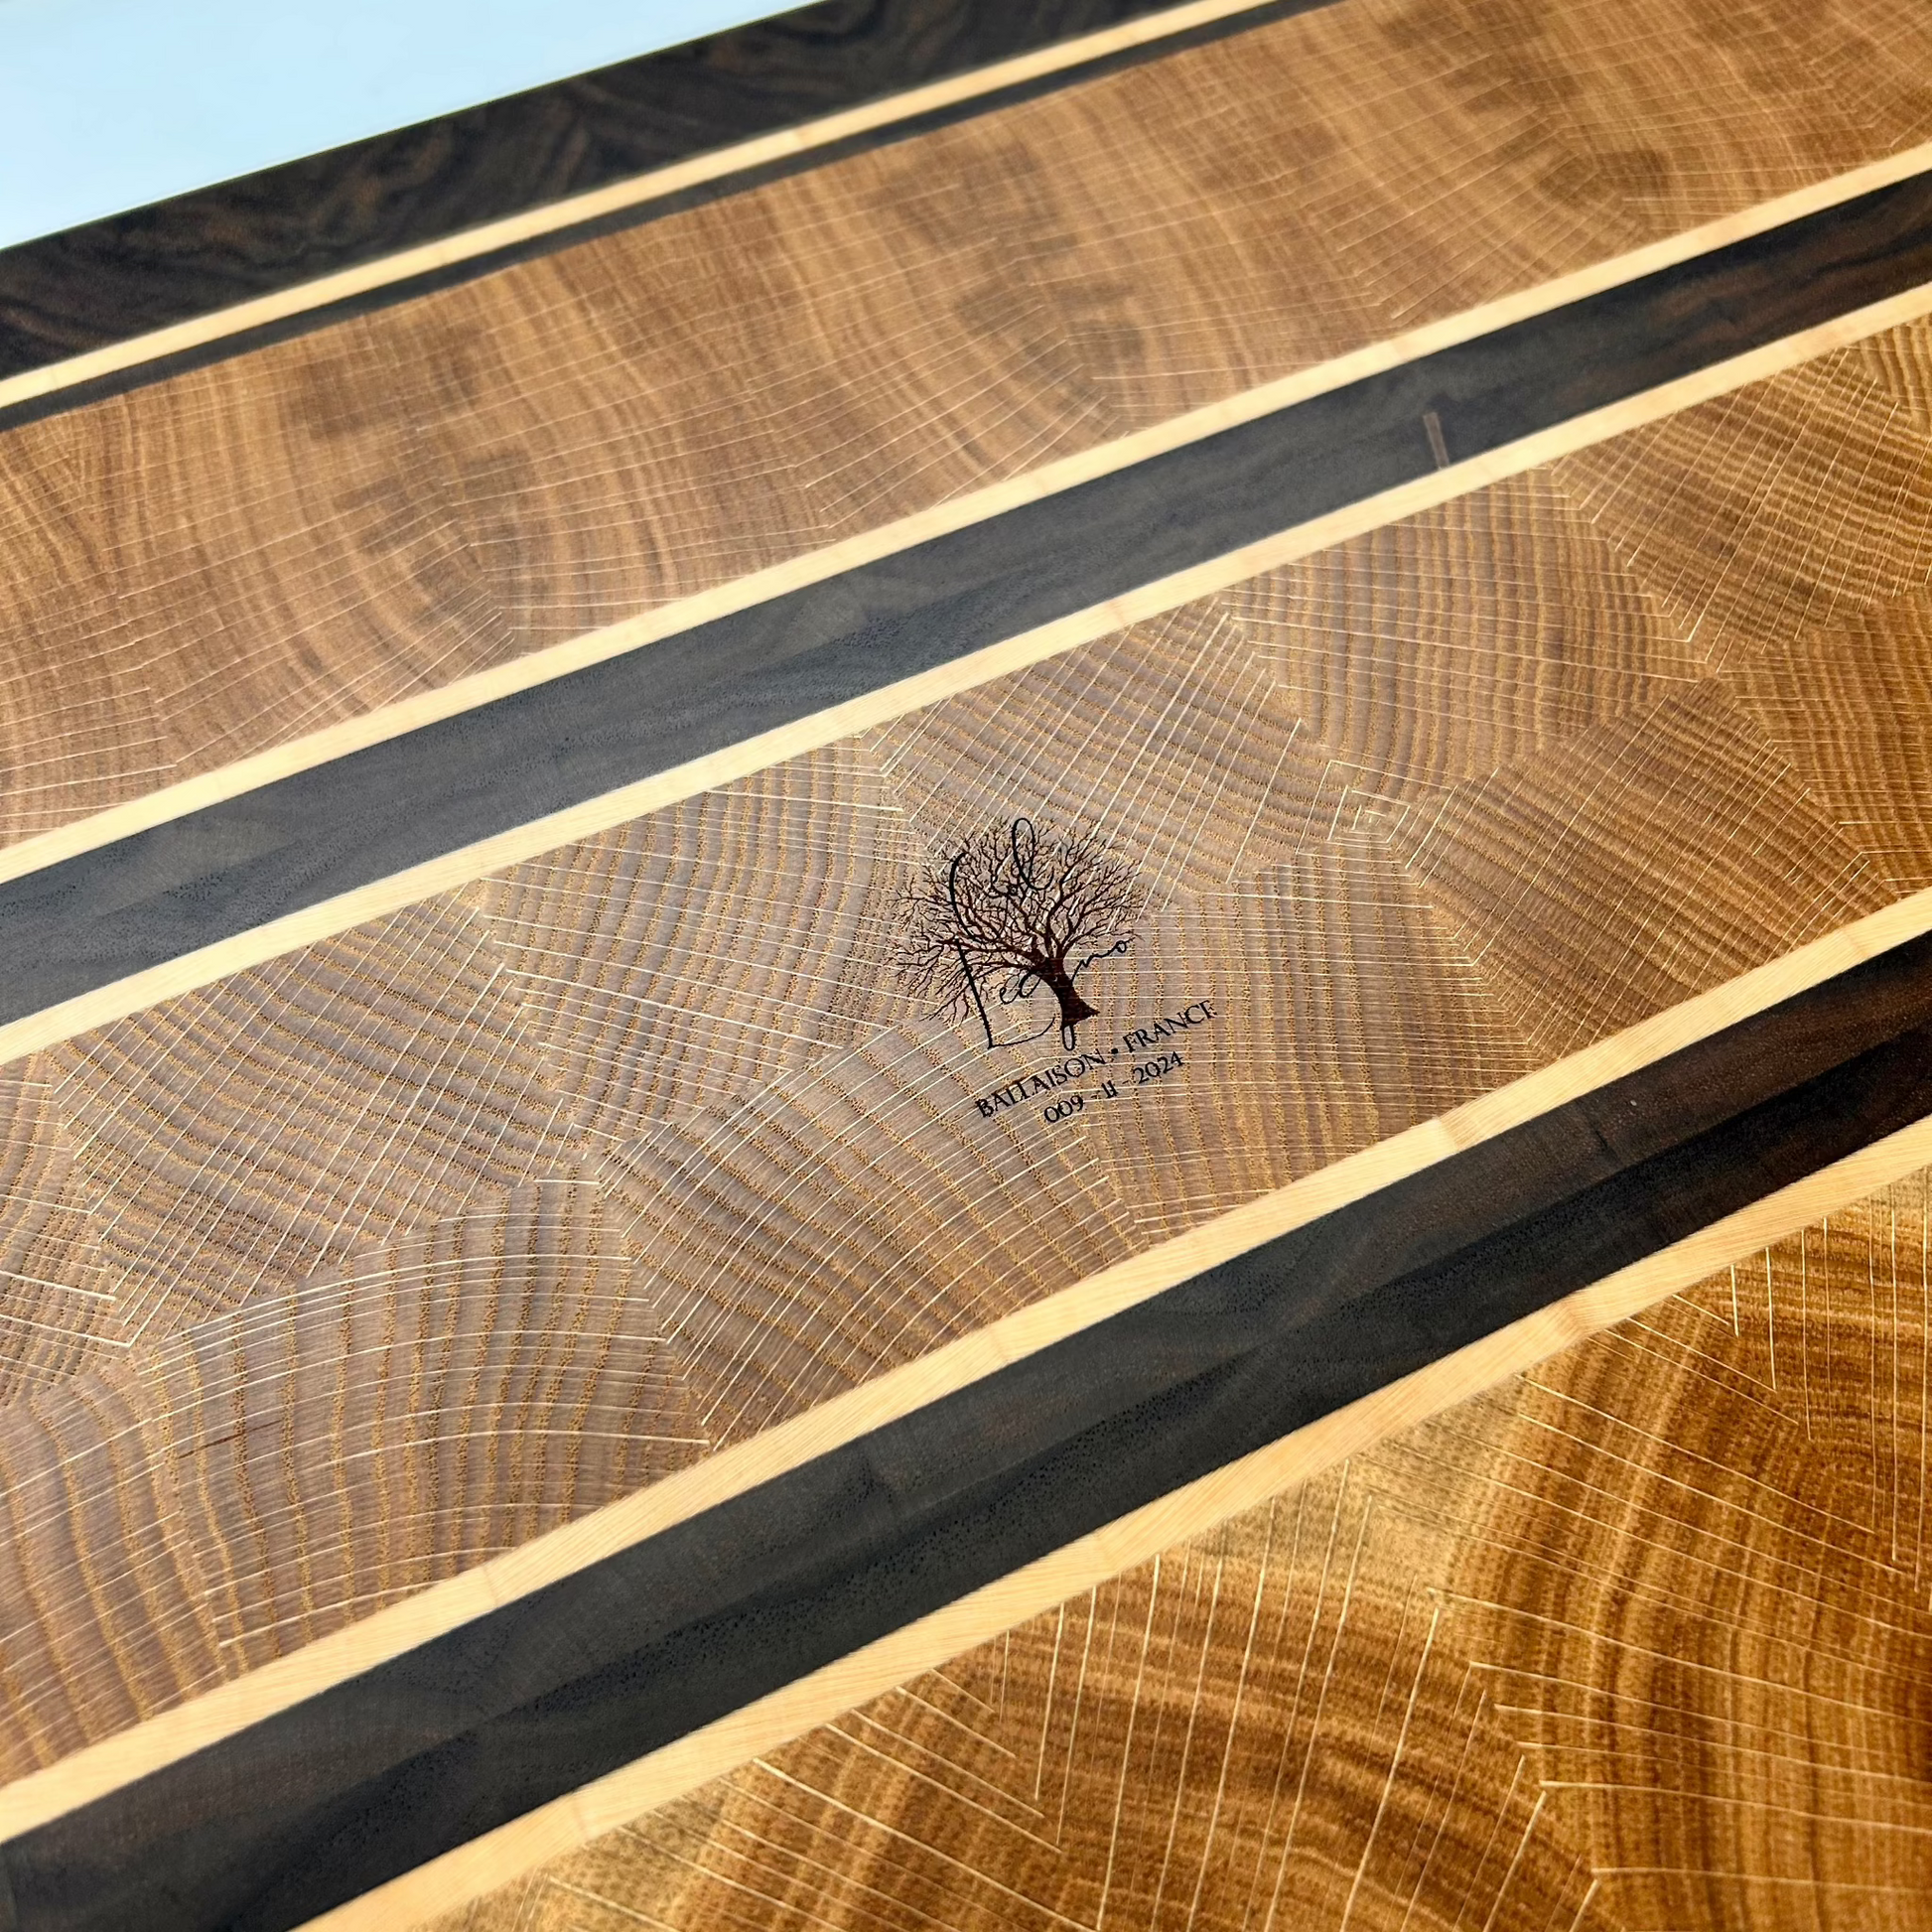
{"type": "Point", "coordinates": [514, 1849]}
{"type": "Point", "coordinates": [99, 1768]}
{"type": "Point", "coordinates": [639, 191]}
{"type": "Point", "coordinates": [635, 190]}
{"type": "Point", "coordinates": [536, 668]}
{"type": "Point", "coordinates": [467, 864]}
{"type": "Point", "coordinates": [1678, 1568]}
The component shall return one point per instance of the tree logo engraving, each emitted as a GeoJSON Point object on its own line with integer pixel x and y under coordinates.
{"type": "Point", "coordinates": [1019, 907]}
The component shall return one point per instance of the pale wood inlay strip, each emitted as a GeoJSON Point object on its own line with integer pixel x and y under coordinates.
{"type": "Point", "coordinates": [514, 1849]}
{"type": "Point", "coordinates": [91, 1772]}
{"type": "Point", "coordinates": [657, 184]}
{"type": "Point", "coordinates": [468, 864]}
{"type": "Point", "coordinates": [521, 674]}
{"type": "Point", "coordinates": [635, 192]}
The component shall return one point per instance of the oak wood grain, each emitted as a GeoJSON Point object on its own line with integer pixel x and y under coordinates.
{"type": "Point", "coordinates": [661, 411]}
{"type": "Point", "coordinates": [684, 1016]}
{"type": "Point", "coordinates": [558, 1688]}
{"type": "Point", "coordinates": [541, 161]}
{"type": "Point", "coordinates": [1580, 1652]}
{"type": "Point", "coordinates": [309, 851]}
{"type": "Point", "coordinates": [389, 1098]}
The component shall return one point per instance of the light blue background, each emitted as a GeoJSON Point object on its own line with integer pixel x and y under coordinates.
{"type": "Point", "coordinates": [106, 104]}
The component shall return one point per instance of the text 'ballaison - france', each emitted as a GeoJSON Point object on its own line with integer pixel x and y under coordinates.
{"type": "Point", "coordinates": [1075, 1066]}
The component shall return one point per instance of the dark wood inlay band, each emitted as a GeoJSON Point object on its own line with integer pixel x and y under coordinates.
{"type": "Point", "coordinates": [128, 906]}
{"type": "Point", "coordinates": [197, 254]}
{"type": "Point", "coordinates": [382, 1772]}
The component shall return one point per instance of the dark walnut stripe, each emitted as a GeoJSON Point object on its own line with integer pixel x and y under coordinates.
{"type": "Point", "coordinates": [198, 254]}
{"type": "Point", "coordinates": [107, 913]}
{"type": "Point", "coordinates": [373, 1777]}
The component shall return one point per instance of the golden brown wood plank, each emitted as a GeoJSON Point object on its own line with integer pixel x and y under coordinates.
{"type": "Point", "coordinates": [1847, 704]}
{"type": "Point", "coordinates": [1344, 1013]}
{"type": "Point", "coordinates": [1666, 803]}
{"type": "Point", "coordinates": [580, 438]}
{"type": "Point", "coordinates": [868, 1182]}
{"type": "Point", "coordinates": [1638, 1638]}
{"type": "Point", "coordinates": [689, 1029]}
{"type": "Point", "coordinates": [1440, 647]}
{"type": "Point", "coordinates": [123, 292]}
{"type": "Point", "coordinates": [261, 1481]}
{"type": "Point", "coordinates": [1739, 526]}
{"type": "Point", "coordinates": [258, 558]}
{"type": "Point", "coordinates": [334, 915]}
{"type": "Point", "coordinates": [783, 1715]}
{"type": "Point", "coordinates": [690, 957]}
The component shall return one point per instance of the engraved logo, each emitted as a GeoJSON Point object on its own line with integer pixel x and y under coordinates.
{"type": "Point", "coordinates": [1019, 910]}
